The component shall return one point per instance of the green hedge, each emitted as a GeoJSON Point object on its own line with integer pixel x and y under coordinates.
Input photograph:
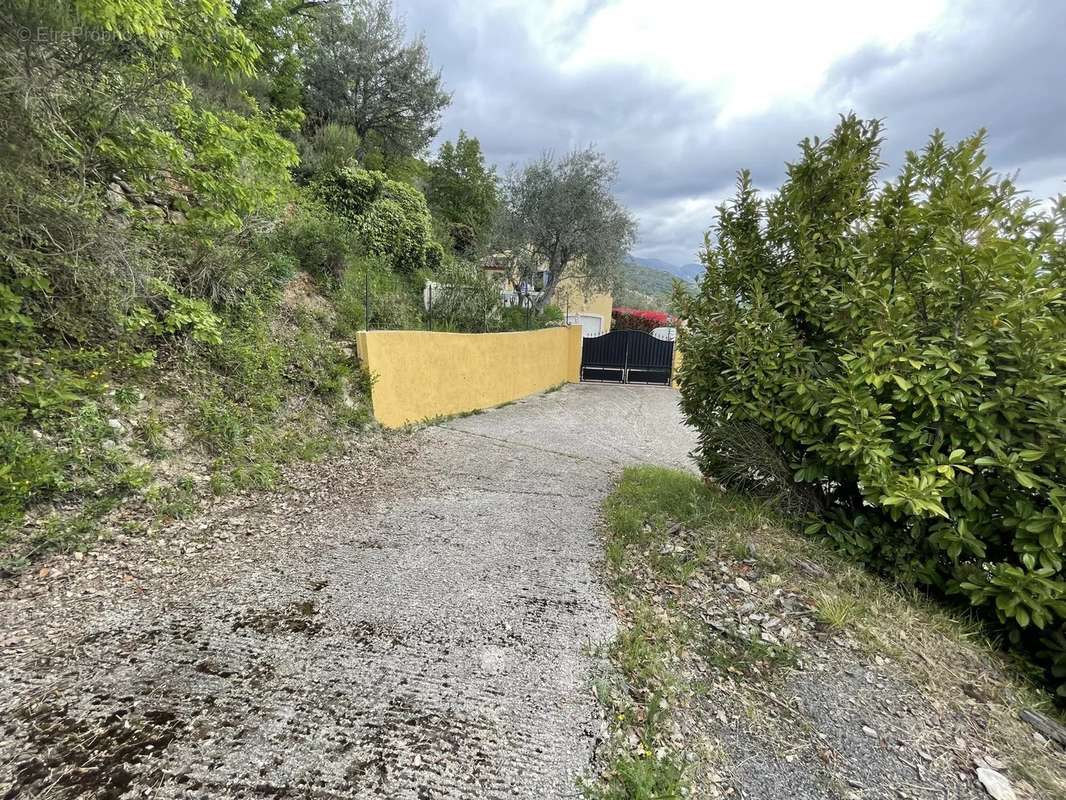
{"type": "Point", "coordinates": [897, 355]}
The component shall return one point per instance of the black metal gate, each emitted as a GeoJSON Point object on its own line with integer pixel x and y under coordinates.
{"type": "Point", "coordinates": [627, 357]}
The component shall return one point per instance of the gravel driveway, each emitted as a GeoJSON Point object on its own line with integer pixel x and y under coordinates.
{"type": "Point", "coordinates": [413, 625]}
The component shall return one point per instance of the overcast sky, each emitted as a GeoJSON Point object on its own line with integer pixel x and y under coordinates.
{"type": "Point", "coordinates": [683, 94]}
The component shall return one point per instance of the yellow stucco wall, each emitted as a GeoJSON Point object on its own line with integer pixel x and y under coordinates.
{"type": "Point", "coordinates": [420, 375]}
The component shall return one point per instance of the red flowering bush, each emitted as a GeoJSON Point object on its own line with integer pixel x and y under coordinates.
{"type": "Point", "coordinates": [635, 319]}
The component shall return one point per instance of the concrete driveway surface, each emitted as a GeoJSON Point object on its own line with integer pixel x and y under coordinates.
{"type": "Point", "coordinates": [425, 638]}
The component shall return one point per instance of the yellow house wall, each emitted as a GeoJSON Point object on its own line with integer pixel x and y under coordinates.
{"type": "Point", "coordinates": [572, 300]}
{"type": "Point", "coordinates": [420, 375]}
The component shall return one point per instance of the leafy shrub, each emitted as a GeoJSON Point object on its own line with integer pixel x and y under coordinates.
{"type": "Point", "coordinates": [465, 299]}
{"type": "Point", "coordinates": [350, 191]}
{"type": "Point", "coordinates": [551, 315]}
{"type": "Point", "coordinates": [328, 149]}
{"type": "Point", "coordinates": [321, 243]}
{"type": "Point", "coordinates": [904, 349]}
{"type": "Point", "coordinates": [395, 300]}
{"type": "Point", "coordinates": [516, 318]}
{"type": "Point", "coordinates": [390, 218]}
{"type": "Point", "coordinates": [28, 471]}
{"type": "Point", "coordinates": [253, 261]}
{"type": "Point", "coordinates": [142, 250]}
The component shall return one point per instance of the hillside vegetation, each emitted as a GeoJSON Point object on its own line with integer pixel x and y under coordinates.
{"type": "Point", "coordinates": [645, 287]}
{"type": "Point", "coordinates": [202, 202]}
{"type": "Point", "coordinates": [891, 359]}
{"type": "Point", "coordinates": [751, 661]}
{"type": "Point", "coordinates": [180, 271]}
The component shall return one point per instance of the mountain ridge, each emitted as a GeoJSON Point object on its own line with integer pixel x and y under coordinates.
{"type": "Point", "coordinates": [687, 272]}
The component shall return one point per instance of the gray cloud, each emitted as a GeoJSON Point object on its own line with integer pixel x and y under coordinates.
{"type": "Point", "coordinates": [998, 68]}
{"type": "Point", "coordinates": [993, 65]}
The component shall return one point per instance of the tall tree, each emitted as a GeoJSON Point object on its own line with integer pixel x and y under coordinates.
{"type": "Point", "coordinates": [361, 72]}
{"type": "Point", "coordinates": [562, 214]}
{"type": "Point", "coordinates": [462, 191]}
{"type": "Point", "coordinates": [277, 28]}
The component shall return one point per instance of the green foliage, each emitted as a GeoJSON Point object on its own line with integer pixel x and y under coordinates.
{"type": "Point", "coordinates": [320, 242]}
{"type": "Point", "coordinates": [516, 318]}
{"type": "Point", "coordinates": [562, 213]}
{"type": "Point", "coordinates": [121, 171]}
{"type": "Point", "coordinates": [64, 454]}
{"type": "Point", "coordinates": [197, 31]}
{"type": "Point", "coordinates": [904, 349]}
{"type": "Point", "coordinates": [277, 33]}
{"type": "Point", "coordinates": [329, 149]}
{"type": "Point", "coordinates": [642, 756]}
{"type": "Point", "coordinates": [28, 471]}
{"type": "Point", "coordinates": [395, 300]}
{"type": "Point", "coordinates": [149, 229]}
{"type": "Point", "coordinates": [350, 191]}
{"type": "Point", "coordinates": [360, 72]}
{"type": "Point", "coordinates": [462, 191]}
{"type": "Point", "coordinates": [391, 219]}
{"type": "Point", "coordinates": [398, 226]}
{"type": "Point", "coordinates": [240, 400]}
{"type": "Point", "coordinates": [465, 299]}
{"type": "Point", "coordinates": [181, 314]}
{"type": "Point", "coordinates": [550, 316]}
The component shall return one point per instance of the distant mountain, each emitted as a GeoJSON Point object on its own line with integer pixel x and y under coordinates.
{"type": "Point", "coordinates": [686, 272]}
{"type": "Point", "coordinates": [653, 263]}
{"type": "Point", "coordinates": [690, 272]}
{"type": "Point", "coordinates": [646, 286]}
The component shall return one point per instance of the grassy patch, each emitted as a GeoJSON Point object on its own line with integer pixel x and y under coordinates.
{"type": "Point", "coordinates": [683, 562]}
{"type": "Point", "coordinates": [120, 448]}
{"type": "Point", "coordinates": [836, 610]}
{"type": "Point", "coordinates": [638, 699]}
{"type": "Point", "coordinates": [644, 515]}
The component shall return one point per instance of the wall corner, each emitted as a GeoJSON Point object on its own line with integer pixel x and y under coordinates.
{"type": "Point", "coordinates": [360, 347]}
{"type": "Point", "coordinates": [573, 361]}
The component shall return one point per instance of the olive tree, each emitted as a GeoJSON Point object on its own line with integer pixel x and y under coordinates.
{"type": "Point", "coordinates": [361, 72]}
{"type": "Point", "coordinates": [562, 214]}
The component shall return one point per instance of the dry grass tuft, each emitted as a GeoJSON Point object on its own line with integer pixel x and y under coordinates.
{"type": "Point", "coordinates": [835, 610]}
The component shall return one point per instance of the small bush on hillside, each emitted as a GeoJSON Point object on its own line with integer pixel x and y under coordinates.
{"type": "Point", "coordinates": [390, 218]}
{"type": "Point", "coordinates": [395, 300]}
{"type": "Point", "coordinates": [328, 149]}
{"type": "Point", "coordinates": [465, 299]}
{"type": "Point", "coordinates": [320, 242]}
{"type": "Point", "coordinates": [904, 350]}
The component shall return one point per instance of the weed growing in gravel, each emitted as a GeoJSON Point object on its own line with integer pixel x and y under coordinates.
{"type": "Point", "coordinates": [835, 610]}
{"type": "Point", "coordinates": [172, 502]}
{"type": "Point", "coordinates": [647, 508]}
{"type": "Point", "coordinates": [638, 699]}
